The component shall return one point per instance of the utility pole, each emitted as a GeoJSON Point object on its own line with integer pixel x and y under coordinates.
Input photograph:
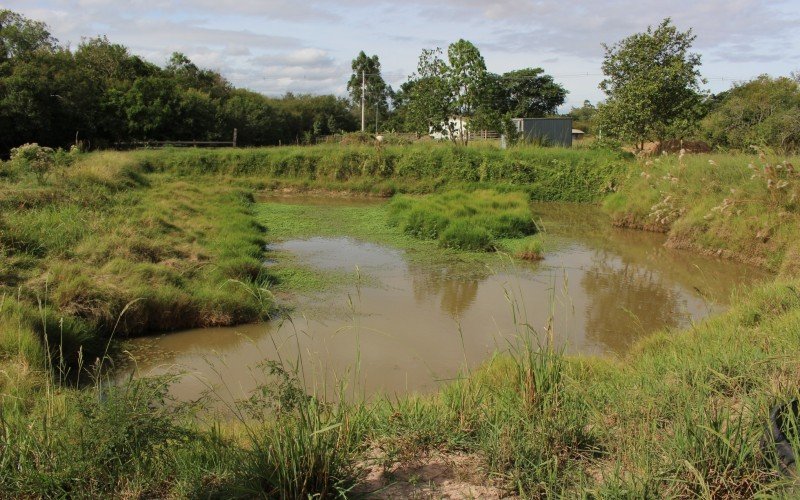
{"type": "Point", "coordinates": [363, 96]}
{"type": "Point", "coordinates": [376, 118]}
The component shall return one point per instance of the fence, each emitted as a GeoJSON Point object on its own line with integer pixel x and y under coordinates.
{"type": "Point", "coordinates": [178, 144]}
{"type": "Point", "coordinates": [483, 135]}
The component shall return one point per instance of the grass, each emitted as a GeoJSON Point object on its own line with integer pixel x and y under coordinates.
{"type": "Point", "coordinates": [364, 222]}
{"type": "Point", "coordinates": [467, 221]}
{"type": "Point", "coordinates": [681, 415]}
{"type": "Point", "coordinates": [547, 174]}
{"type": "Point", "coordinates": [528, 248]}
{"type": "Point", "coordinates": [105, 237]}
{"type": "Point", "coordinates": [735, 205]}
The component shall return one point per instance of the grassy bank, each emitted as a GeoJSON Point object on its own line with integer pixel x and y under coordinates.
{"type": "Point", "coordinates": [737, 206]}
{"type": "Point", "coordinates": [547, 174]}
{"type": "Point", "coordinates": [170, 236]}
{"type": "Point", "coordinates": [104, 236]}
{"type": "Point", "coordinates": [680, 416]}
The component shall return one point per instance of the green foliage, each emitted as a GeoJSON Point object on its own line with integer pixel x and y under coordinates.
{"type": "Point", "coordinates": [530, 93]}
{"type": "Point", "coordinates": [547, 174]}
{"type": "Point", "coordinates": [20, 37]}
{"type": "Point", "coordinates": [460, 94]}
{"type": "Point", "coordinates": [763, 112]}
{"type": "Point", "coordinates": [584, 117]}
{"type": "Point", "coordinates": [681, 415]}
{"type": "Point", "coordinates": [463, 235]}
{"type": "Point", "coordinates": [653, 86]}
{"type": "Point", "coordinates": [35, 159]}
{"type": "Point", "coordinates": [113, 251]}
{"type": "Point", "coordinates": [528, 248]}
{"type": "Point", "coordinates": [99, 94]}
{"type": "Point", "coordinates": [377, 90]}
{"type": "Point", "coordinates": [451, 97]}
{"type": "Point", "coordinates": [461, 220]}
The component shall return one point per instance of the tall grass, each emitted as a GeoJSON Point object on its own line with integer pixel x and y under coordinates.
{"type": "Point", "coordinates": [468, 221]}
{"type": "Point", "coordinates": [683, 415]}
{"type": "Point", "coordinates": [547, 174]}
{"type": "Point", "coordinates": [105, 236]}
{"type": "Point", "coordinates": [734, 205]}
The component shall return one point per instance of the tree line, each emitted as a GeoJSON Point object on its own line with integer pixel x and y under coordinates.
{"type": "Point", "coordinates": [101, 94]}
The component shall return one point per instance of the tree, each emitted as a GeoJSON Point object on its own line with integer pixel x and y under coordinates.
{"type": "Point", "coordinates": [426, 95]}
{"type": "Point", "coordinates": [446, 95]}
{"type": "Point", "coordinates": [20, 36]}
{"type": "Point", "coordinates": [584, 116]}
{"type": "Point", "coordinates": [189, 76]}
{"type": "Point", "coordinates": [258, 122]}
{"type": "Point", "coordinates": [466, 78]}
{"type": "Point", "coordinates": [653, 86]}
{"type": "Point", "coordinates": [377, 94]}
{"type": "Point", "coordinates": [762, 112]}
{"type": "Point", "coordinates": [530, 93]}
{"type": "Point", "coordinates": [308, 116]}
{"type": "Point", "coordinates": [100, 93]}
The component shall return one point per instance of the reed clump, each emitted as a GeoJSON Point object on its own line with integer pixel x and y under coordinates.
{"type": "Point", "coordinates": [464, 220]}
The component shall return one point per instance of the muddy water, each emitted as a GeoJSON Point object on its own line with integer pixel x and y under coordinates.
{"type": "Point", "coordinates": [410, 326]}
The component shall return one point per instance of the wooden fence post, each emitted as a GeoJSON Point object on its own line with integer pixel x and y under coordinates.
{"type": "Point", "coordinates": [235, 134]}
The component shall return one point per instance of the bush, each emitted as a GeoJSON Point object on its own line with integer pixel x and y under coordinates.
{"type": "Point", "coordinates": [35, 159]}
{"type": "Point", "coordinates": [762, 112]}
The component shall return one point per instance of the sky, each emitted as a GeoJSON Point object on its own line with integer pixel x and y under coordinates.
{"type": "Point", "coordinates": [275, 46]}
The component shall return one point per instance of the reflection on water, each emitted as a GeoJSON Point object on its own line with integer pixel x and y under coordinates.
{"type": "Point", "coordinates": [454, 295]}
{"type": "Point", "coordinates": [416, 324]}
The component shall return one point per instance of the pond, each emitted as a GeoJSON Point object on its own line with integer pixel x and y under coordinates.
{"type": "Point", "coordinates": [407, 325]}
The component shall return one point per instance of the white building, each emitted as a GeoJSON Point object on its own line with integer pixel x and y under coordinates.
{"type": "Point", "coordinates": [457, 125]}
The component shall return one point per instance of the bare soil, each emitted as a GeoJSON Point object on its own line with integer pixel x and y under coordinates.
{"type": "Point", "coordinates": [436, 475]}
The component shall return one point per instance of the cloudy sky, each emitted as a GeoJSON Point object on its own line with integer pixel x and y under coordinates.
{"type": "Point", "coordinates": [274, 46]}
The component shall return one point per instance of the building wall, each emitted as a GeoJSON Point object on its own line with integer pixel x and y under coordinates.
{"type": "Point", "coordinates": [454, 123]}
{"type": "Point", "coordinates": [556, 131]}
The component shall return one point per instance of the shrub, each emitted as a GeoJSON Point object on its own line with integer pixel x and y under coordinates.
{"type": "Point", "coordinates": [35, 159]}
{"type": "Point", "coordinates": [761, 112]}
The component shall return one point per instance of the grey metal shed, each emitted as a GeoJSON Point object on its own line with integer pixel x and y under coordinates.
{"type": "Point", "coordinates": [555, 131]}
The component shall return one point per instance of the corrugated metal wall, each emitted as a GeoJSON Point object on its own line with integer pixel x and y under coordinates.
{"type": "Point", "coordinates": [555, 131]}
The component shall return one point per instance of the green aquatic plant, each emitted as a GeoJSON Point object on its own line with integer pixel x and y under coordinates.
{"type": "Point", "coordinates": [464, 220]}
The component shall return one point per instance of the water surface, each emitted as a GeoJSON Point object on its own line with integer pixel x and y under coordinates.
{"type": "Point", "coordinates": [409, 326]}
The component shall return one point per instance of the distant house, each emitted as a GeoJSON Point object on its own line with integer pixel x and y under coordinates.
{"type": "Point", "coordinates": [455, 125]}
{"type": "Point", "coordinates": [552, 131]}
{"type": "Point", "coordinates": [577, 135]}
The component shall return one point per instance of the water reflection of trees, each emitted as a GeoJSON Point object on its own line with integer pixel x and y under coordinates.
{"type": "Point", "coordinates": [456, 292]}
{"type": "Point", "coordinates": [626, 300]}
